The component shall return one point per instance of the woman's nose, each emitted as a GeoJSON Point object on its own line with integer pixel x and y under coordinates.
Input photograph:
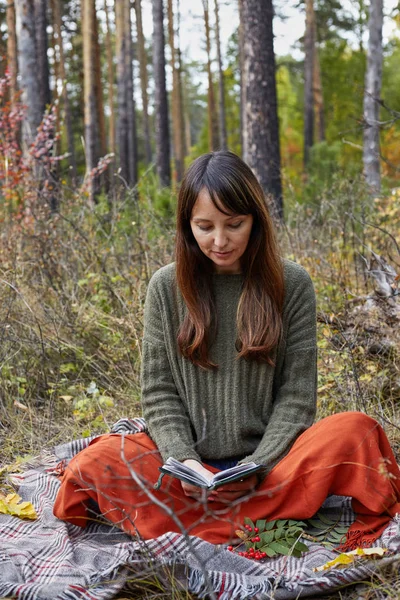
{"type": "Point", "coordinates": [220, 239]}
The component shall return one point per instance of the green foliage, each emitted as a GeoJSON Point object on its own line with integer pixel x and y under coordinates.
{"type": "Point", "coordinates": [326, 531]}
{"type": "Point", "coordinates": [283, 536]}
{"type": "Point", "coordinates": [278, 537]}
{"type": "Point", "coordinates": [289, 86]}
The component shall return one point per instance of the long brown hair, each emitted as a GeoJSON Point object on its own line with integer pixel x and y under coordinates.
{"type": "Point", "coordinates": [233, 189]}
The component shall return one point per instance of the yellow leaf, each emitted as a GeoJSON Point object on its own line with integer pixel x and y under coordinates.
{"type": "Point", "coordinates": [369, 551]}
{"type": "Point", "coordinates": [12, 505]}
{"type": "Point", "coordinates": [347, 558]}
{"type": "Point", "coordinates": [241, 534]}
{"type": "Point", "coordinates": [66, 398]}
{"type": "Point", "coordinates": [342, 559]}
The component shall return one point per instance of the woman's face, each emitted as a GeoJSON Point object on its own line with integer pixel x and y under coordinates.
{"type": "Point", "coordinates": [222, 238]}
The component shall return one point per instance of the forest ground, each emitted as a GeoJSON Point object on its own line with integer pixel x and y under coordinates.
{"type": "Point", "coordinates": [71, 307]}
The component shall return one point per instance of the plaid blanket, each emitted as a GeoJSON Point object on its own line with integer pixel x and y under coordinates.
{"type": "Point", "coordinates": [48, 559]}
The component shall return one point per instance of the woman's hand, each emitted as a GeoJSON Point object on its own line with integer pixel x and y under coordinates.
{"type": "Point", "coordinates": [237, 489]}
{"type": "Point", "coordinates": [226, 493]}
{"type": "Point", "coordinates": [193, 490]}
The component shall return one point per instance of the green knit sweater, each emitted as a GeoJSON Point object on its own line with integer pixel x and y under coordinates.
{"type": "Point", "coordinates": [243, 409]}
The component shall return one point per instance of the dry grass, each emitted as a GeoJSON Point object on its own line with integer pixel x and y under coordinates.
{"type": "Point", "coordinates": [72, 290]}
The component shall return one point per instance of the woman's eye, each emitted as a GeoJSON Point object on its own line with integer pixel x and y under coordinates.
{"type": "Point", "coordinates": [236, 225]}
{"type": "Point", "coordinates": [204, 228]}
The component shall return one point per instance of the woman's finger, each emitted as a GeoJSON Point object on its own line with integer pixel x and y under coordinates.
{"type": "Point", "coordinates": [247, 484]}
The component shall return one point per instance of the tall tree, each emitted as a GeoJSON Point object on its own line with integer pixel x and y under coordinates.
{"type": "Point", "coordinates": [317, 87]}
{"type": "Point", "coordinates": [126, 122]}
{"type": "Point", "coordinates": [213, 135]}
{"type": "Point", "coordinates": [177, 104]}
{"type": "Point", "coordinates": [261, 133]}
{"type": "Point", "coordinates": [42, 68]}
{"type": "Point", "coordinates": [372, 93]}
{"type": "Point", "coordinates": [309, 52]}
{"type": "Point", "coordinates": [98, 84]}
{"type": "Point", "coordinates": [110, 74]}
{"type": "Point", "coordinates": [160, 95]}
{"type": "Point", "coordinates": [222, 116]}
{"type": "Point", "coordinates": [57, 24]}
{"type": "Point", "coordinates": [27, 59]}
{"type": "Point", "coordinates": [143, 80]}
{"type": "Point", "coordinates": [122, 108]}
{"type": "Point", "coordinates": [92, 139]}
{"type": "Point", "coordinates": [242, 86]}
{"type": "Point", "coordinates": [12, 60]}
{"type": "Point", "coordinates": [130, 99]}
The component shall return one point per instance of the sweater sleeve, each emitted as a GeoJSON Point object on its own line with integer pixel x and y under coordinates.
{"type": "Point", "coordinates": [163, 410]}
{"type": "Point", "coordinates": [295, 397]}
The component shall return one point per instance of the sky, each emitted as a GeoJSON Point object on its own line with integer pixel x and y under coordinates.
{"type": "Point", "coordinates": [286, 32]}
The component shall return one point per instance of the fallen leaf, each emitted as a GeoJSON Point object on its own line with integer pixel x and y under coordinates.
{"type": "Point", "coordinates": [346, 558]}
{"type": "Point", "coordinates": [12, 505]}
{"type": "Point", "coordinates": [19, 405]}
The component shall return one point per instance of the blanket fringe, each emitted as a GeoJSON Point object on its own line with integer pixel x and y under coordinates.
{"type": "Point", "coordinates": [358, 539]}
{"type": "Point", "coordinates": [224, 588]}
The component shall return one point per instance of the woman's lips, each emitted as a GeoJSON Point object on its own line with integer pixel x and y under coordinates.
{"type": "Point", "coordinates": [223, 254]}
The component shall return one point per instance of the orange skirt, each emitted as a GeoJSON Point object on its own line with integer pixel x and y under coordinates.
{"type": "Point", "coordinates": [347, 454]}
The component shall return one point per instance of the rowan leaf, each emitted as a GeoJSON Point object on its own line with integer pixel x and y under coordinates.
{"type": "Point", "coordinates": [325, 519]}
{"type": "Point", "coordinates": [267, 537]}
{"type": "Point", "coordinates": [301, 547]}
{"type": "Point", "coordinates": [280, 548]}
{"type": "Point", "coordinates": [248, 521]}
{"type": "Point", "coordinates": [317, 524]}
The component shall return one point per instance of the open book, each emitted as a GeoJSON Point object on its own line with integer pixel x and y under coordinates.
{"type": "Point", "coordinates": [177, 469]}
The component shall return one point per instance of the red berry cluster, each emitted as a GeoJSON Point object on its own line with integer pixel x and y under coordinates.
{"type": "Point", "coordinates": [251, 552]}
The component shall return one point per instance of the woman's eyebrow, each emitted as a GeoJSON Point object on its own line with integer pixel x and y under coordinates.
{"type": "Point", "coordinates": [197, 219]}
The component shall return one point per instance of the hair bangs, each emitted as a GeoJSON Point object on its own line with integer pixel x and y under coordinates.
{"type": "Point", "coordinates": [225, 191]}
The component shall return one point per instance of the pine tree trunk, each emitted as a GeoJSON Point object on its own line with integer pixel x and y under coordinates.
{"type": "Point", "coordinates": [130, 102]}
{"type": "Point", "coordinates": [110, 72]}
{"type": "Point", "coordinates": [143, 80]}
{"type": "Point", "coordinates": [180, 83]}
{"type": "Point", "coordinates": [243, 128]}
{"type": "Point", "coordinates": [261, 138]}
{"type": "Point", "coordinates": [222, 116]}
{"type": "Point", "coordinates": [122, 109]}
{"type": "Point", "coordinates": [42, 68]}
{"type": "Point", "coordinates": [177, 108]}
{"type": "Point", "coordinates": [55, 45]}
{"type": "Point", "coordinates": [372, 94]}
{"type": "Point", "coordinates": [317, 88]}
{"type": "Point", "coordinates": [98, 83]}
{"type": "Point", "coordinates": [92, 140]}
{"type": "Point", "coordinates": [213, 135]}
{"type": "Point", "coordinates": [12, 61]}
{"type": "Point", "coordinates": [25, 21]}
{"type": "Point", "coordinates": [188, 133]}
{"type": "Point", "coordinates": [160, 93]}
{"type": "Point", "coordinates": [57, 23]}
{"type": "Point", "coordinates": [309, 44]}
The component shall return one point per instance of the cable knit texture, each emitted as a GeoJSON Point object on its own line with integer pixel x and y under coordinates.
{"type": "Point", "coordinates": [243, 409]}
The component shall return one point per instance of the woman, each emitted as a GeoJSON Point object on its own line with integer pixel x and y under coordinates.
{"type": "Point", "coordinates": [228, 376]}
